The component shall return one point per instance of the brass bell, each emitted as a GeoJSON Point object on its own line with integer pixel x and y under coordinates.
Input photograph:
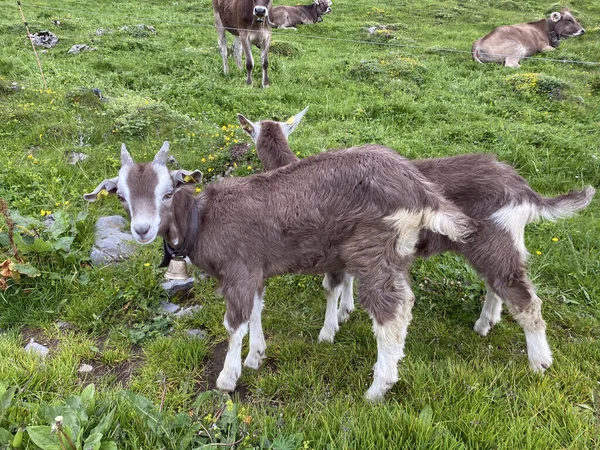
{"type": "Point", "coordinates": [177, 270]}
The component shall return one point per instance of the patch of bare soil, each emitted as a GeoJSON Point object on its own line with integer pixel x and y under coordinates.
{"type": "Point", "coordinates": [214, 366]}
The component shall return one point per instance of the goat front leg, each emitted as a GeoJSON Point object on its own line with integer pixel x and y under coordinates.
{"type": "Point", "coordinates": [332, 283]}
{"type": "Point", "coordinates": [490, 313]}
{"type": "Point", "coordinates": [347, 300]}
{"type": "Point", "coordinates": [256, 353]}
{"type": "Point", "coordinates": [237, 51]}
{"type": "Point", "coordinates": [232, 368]}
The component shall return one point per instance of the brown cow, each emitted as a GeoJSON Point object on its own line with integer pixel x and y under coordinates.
{"type": "Point", "coordinates": [511, 43]}
{"type": "Point", "coordinates": [250, 22]}
{"type": "Point", "coordinates": [290, 16]}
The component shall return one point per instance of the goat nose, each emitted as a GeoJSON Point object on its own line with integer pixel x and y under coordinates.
{"type": "Point", "coordinates": [142, 230]}
{"type": "Point", "coordinates": [260, 10]}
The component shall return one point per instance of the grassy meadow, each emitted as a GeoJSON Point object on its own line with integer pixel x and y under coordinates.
{"type": "Point", "coordinates": [163, 81]}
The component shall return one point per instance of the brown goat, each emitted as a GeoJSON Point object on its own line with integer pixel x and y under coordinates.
{"type": "Point", "coordinates": [287, 17]}
{"type": "Point", "coordinates": [498, 200]}
{"type": "Point", "coordinates": [250, 22]}
{"type": "Point", "coordinates": [357, 210]}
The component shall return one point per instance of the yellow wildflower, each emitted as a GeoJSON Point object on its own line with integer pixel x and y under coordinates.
{"type": "Point", "coordinates": [146, 264]}
{"type": "Point", "coordinates": [203, 160]}
{"type": "Point", "coordinates": [537, 252]}
{"type": "Point", "coordinates": [249, 167]}
{"type": "Point", "coordinates": [554, 239]}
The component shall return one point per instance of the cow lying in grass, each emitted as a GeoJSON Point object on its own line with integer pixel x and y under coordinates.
{"type": "Point", "coordinates": [495, 197]}
{"type": "Point", "coordinates": [357, 210]}
{"type": "Point", "coordinates": [289, 17]}
{"type": "Point", "coordinates": [509, 44]}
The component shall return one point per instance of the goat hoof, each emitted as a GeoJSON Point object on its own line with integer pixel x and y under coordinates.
{"type": "Point", "coordinates": [343, 315]}
{"type": "Point", "coordinates": [482, 327]}
{"type": "Point", "coordinates": [327, 335]}
{"type": "Point", "coordinates": [254, 360]}
{"type": "Point", "coordinates": [227, 381]}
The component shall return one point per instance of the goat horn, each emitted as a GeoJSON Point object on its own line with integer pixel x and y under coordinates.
{"type": "Point", "coordinates": [126, 159]}
{"type": "Point", "coordinates": [163, 153]}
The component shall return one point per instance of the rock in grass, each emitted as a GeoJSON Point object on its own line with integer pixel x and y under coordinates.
{"type": "Point", "coordinates": [85, 368]}
{"type": "Point", "coordinates": [187, 311]}
{"type": "Point", "coordinates": [78, 48]}
{"type": "Point", "coordinates": [196, 333]}
{"type": "Point", "coordinates": [44, 38]}
{"type": "Point", "coordinates": [37, 349]}
{"type": "Point", "coordinates": [76, 157]}
{"type": "Point", "coordinates": [174, 286]}
{"type": "Point", "coordinates": [112, 243]}
{"type": "Point", "coordinates": [169, 307]}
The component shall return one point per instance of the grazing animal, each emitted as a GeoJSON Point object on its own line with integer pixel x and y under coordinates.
{"type": "Point", "coordinates": [288, 17]}
{"type": "Point", "coordinates": [250, 21]}
{"type": "Point", "coordinates": [509, 44]}
{"type": "Point", "coordinates": [495, 197]}
{"type": "Point", "coordinates": [356, 210]}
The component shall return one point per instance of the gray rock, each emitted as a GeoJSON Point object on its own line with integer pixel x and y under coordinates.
{"type": "Point", "coordinates": [76, 157]}
{"type": "Point", "coordinates": [169, 307]}
{"type": "Point", "coordinates": [78, 48]}
{"type": "Point", "coordinates": [37, 349]}
{"type": "Point", "coordinates": [174, 286]}
{"type": "Point", "coordinates": [64, 325]}
{"type": "Point", "coordinates": [112, 244]}
{"type": "Point", "coordinates": [44, 38]}
{"type": "Point", "coordinates": [85, 368]}
{"type": "Point", "coordinates": [187, 311]}
{"type": "Point", "coordinates": [196, 333]}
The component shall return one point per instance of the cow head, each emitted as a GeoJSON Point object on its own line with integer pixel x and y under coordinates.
{"type": "Point", "coordinates": [323, 7]}
{"type": "Point", "coordinates": [261, 10]}
{"type": "Point", "coordinates": [565, 24]}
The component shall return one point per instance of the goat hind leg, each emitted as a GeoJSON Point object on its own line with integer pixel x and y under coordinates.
{"type": "Point", "coordinates": [347, 299]}
{"type": "Point", "coordinates": [237, 51]}
{"type": "Point", "coordinates": [256, 353]}
{"type": "Point", "coordinates": [222, 38]}
{"type": "Point", "coordinates": [332, 283]}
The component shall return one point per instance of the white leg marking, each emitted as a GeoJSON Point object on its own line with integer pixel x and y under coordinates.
{"type": "Point", "coordinates": [347, 300]}
{"type": "Point", "coordinates": [256, 353]}
{"type": "Point", "coordinates": [237, 51]}
{"type": "Point", "coordinates": [232, 368]}
{"type": "Point", "coordinates": [538, 350]}
{"type": "Point", "coordinates": [330, 327]}
{"type": "Point", "coordinates": [390, 347]}
{"type": "Point", "coordinates": [490, 313]}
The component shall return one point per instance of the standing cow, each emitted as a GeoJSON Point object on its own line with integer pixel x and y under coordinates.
{"type": "Point", "coordinates": [250, 22]}
{"type": "Point", "coordinates": [509, 44]}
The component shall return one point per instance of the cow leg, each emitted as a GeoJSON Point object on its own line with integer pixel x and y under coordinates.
{"type": "Point", "coordinates": [347, 300]}
{"type": "Point", "coordinates": [256, 353]}
{"type": "Point", "coordinates": [247, 47]}
{"type": "Point", "coordinates": [264, 59]}
{"type": "Point", "coordinates": [490, 314]}
{"type": "Point", "coordinates": [237, 51]}
{"type": "Point", "coordinates": [333, 287]}
{"type": "Point", "coordinates": [512, 61]}
{"type": "Point", "coordinates": [222, 38]}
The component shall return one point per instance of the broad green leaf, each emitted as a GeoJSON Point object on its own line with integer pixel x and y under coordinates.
{"type": "Point", "coordinates": [43, 438]}
{"type": "Point", "coordinates": [426, 414]}
{"type": "Point", "coordinates": [87, 398]}
{"type": "Point", "coordinates": [104, 423]}
{"type": "Point", "coordinates": [61, 224]}
{"type": "Point", "coordinates": [108, 445]}
{"type": "Point", "coordinates": [4, 242]}
{"type": "Point", "coordinates": [5, 436]}
{"type": "Point", "coordinates": [6, 398]}
{"type": "Point", "coordinates": [63, 244]}
{"type": "Point", "coordinates": [40, 246]}
{"type": "Point", "coordinates": [24, 269]}
{"type": "Point", "coordinates": [93, 442]}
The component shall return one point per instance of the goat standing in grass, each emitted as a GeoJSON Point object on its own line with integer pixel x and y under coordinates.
{"type": "Point", "coordinates": [357, 210]}
{"type": "Point", "coordinates": [250, 22]}
{"type": "Point", "coordinates": [494, 196]}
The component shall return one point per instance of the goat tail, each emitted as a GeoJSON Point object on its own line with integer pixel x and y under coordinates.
{"type": "Point", "coordinates": [552, 208]}
{"type": "Point", "coordinates": [449, 221]}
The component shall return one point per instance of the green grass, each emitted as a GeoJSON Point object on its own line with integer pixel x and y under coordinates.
{"type": "Point", "coordinates": [456, 389]}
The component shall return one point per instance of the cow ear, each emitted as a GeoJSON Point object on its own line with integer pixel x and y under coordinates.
{"type": "Point", "coordinates": [555, 16]}
{"type": "Point", "coordinates": [109, 185]}
{"type": "Point", "coordinates": [290, 125]}
{"type": "Point", "coordinates": [253, 129]}
{"type": "Point", "coordinates": [181, 177]}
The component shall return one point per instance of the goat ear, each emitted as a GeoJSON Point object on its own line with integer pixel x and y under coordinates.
{"type": "Point", "coordinates": [181, 177]}
{"type": "Point", "coordinates": [290, 125]}
{"type": "Point", "coordinates": [555, 16]}
{"type": "Point", "coordinates": [253, 129]}
{"type": "Point", "coordinates": [162, 155]}
{"type": "Point", "coordinates": [126, 159]}
{"type": "Point", "coordinates": [109, 185]}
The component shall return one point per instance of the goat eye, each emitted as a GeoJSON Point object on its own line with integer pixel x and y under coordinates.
{"type": "Point", "coordinates": [120, 197]}
{"type": "Point", "coordinates": [168, 195]}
